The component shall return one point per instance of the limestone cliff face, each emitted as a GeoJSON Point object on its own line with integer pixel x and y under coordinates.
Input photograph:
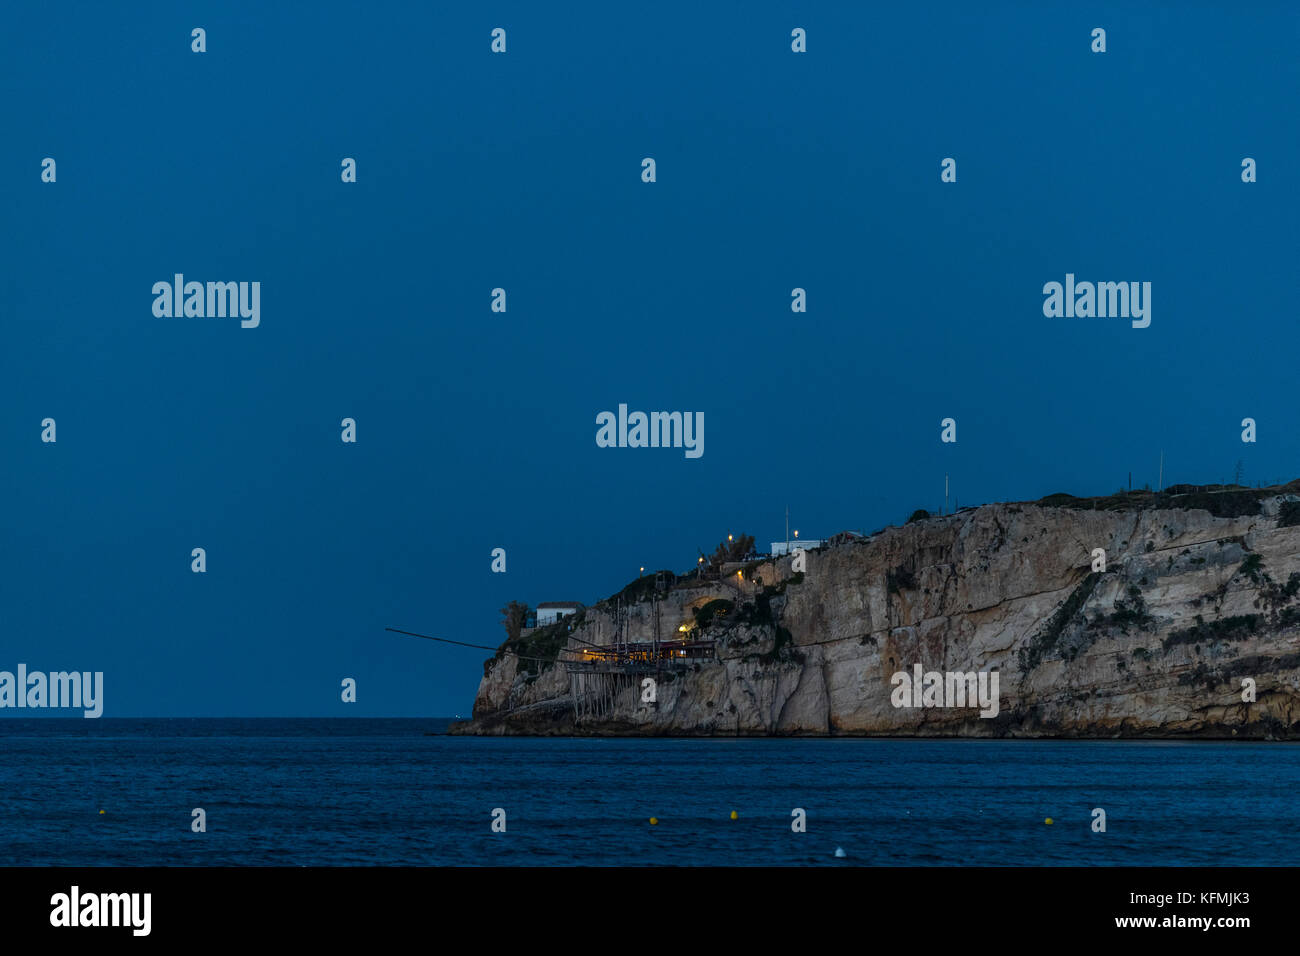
{"type": "Point", "coordinates": [1156, 645]}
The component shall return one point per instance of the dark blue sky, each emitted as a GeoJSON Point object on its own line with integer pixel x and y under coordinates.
{"type": "Point", "coordinates": [477, 429]}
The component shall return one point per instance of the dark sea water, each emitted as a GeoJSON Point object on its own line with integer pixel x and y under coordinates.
{"type": "Point", "coordinates": [330, 792]}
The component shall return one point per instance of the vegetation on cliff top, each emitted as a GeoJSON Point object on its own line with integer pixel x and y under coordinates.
{"type": "Point", "coordinates": [1222, 501]}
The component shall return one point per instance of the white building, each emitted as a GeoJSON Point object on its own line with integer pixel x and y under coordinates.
{"type": "Point", "coordinates": [548, 612]}
{"type": "Point", "coordinates": [780, 547]}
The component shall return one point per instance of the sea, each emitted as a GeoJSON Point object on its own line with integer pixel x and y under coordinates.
{"type": "Point", "coordinates": [346, 792]}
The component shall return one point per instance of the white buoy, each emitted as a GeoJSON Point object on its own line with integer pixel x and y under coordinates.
{"type": "Point", "coordinates": [839, 852]}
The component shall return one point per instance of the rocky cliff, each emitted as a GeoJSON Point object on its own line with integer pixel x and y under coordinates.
{"type": "Point", "coordinates": [1194, 612]}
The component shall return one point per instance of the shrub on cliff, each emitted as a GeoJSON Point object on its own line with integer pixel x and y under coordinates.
{"type": "Point", "coordinates": [1251, 568]}
{"type": "Point", "coordinates": [1058, 500]}
{"type": "Point", "coordinates": [513, 616]}
{"type": "Point", "coordinates": [1235, 628]}
{"type": "Point", "coordinates": [1031, 655]}
{"type": "Point", "coordinates": [540, 649]}
{"type": "Point", "coordinates": [1221, 504]}
{"type": "Point", "coordinates": [758, 611]}
{"type": "Point", "coordinates": [644, 587]}
{"type": "Point", "coordinates": [899, 579]}
{"type": "Point", "coordinates": [717, 608]}
{"type": "Point", "coordinates": [1131, 612]}
{"type": "Point", "coordinates": [736, 548]}
{"type": "Point", "coordinates": [782, 649]}
{"type": "Point", "coordinates": [1225, 503]}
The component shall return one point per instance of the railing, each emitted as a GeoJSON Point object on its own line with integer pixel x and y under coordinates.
{"type": "Point", "coordinates": [640, 658]}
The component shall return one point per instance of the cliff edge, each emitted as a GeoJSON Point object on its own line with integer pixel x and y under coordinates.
{"type": "Point", "coordinates": [1190, 628]}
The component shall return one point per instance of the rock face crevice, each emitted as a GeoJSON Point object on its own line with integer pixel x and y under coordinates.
{"type": "Point", "coordinates": [1191, 607]}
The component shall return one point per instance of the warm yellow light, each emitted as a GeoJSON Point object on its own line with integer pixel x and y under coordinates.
{"type": "Point", "coordinates": [740, 574]}
{"type": "Point", "coordinates": [796, 534]}
{"type": "Point", "coordinates": [682, 628]}
{"type": "Point", "coordinates": [728, 537]}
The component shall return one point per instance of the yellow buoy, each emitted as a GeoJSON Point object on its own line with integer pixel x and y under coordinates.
{"type": "Point", "coordinates": [735, 815]}
{"type": "Point", "coordinates": [1048, 821]}
{"type": "Point", "coordinates": [654, 821]}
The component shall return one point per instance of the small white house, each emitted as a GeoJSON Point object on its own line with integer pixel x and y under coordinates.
{"type": "Point", "coordinates": [548, 612]}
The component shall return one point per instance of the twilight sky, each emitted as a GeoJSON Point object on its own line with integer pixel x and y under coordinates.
{"type": "Point", "coordinates": [477, 429]}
